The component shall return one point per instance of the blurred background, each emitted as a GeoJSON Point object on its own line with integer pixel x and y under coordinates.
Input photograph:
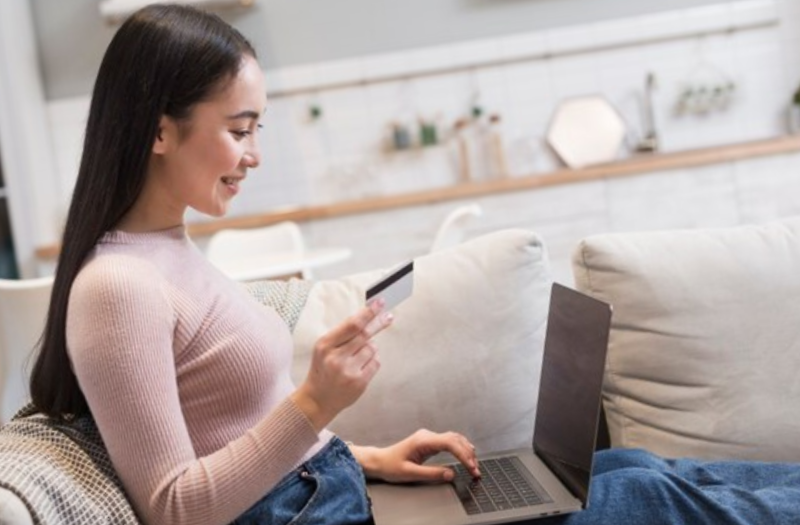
{"type": "Point", "coordinates": [568, 117]}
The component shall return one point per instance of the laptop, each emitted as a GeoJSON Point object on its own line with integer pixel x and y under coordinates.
{"type": "Point", "coordinates": [554, 476]}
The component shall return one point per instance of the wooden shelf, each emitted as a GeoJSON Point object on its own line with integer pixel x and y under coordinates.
{"type": "Point", "coordinates": [639, 164]}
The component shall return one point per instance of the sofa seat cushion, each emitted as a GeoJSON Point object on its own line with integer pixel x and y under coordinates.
{"type": "Point", "coordinates": [464, 352]}
{"type": "Point", "coordinates": [705, 345]}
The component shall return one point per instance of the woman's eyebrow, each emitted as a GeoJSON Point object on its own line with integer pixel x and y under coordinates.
{"type": "Point", "coordinates": [248, 113]}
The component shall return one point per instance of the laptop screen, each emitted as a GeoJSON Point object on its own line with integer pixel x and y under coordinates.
{"type": "Point", "coordinates": [571, 383]}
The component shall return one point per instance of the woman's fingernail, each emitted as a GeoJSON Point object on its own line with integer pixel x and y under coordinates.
{"type": "Point", "coordinates": [388, 317]}
{"type": "Point", "coordinates": [448, 474]}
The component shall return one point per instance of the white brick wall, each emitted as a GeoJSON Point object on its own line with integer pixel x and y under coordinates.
{"type": "Point", "coordinates": [727, 194]}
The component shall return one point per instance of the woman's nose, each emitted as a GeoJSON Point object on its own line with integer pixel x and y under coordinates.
{"type": "Point", "coordinates": [252, 157]}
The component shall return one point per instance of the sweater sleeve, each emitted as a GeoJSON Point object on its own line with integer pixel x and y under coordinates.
{"type": "Point", "coordinates": [120, 328]}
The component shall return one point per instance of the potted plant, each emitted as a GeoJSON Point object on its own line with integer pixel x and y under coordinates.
{"type": "Point", "coordinates": [794, 113]}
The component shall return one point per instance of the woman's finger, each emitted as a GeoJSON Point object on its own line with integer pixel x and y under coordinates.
{"type": "Point", "coordinates": [378, 323]}
{"type": "Point", "coordinates": [355, 344]}
{"type": "Point", "coordinates": [414, 472]}
{"type": "Point", "coordinates": [352, 326]}
{"type": "Point", "coordinates": [362, 357]}
{"type": "Point", "coordinates": [463, 450]}
{"type": "Point", "coordinates": [371, 368]}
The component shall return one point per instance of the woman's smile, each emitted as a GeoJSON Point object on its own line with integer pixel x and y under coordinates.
{"type": "Point", "coordinates": [231, 184]}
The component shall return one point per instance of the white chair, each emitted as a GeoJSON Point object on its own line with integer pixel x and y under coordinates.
{"type": "Point", "coordinates": [452, 230]}
{"type": "Point", "coordinates": [23, 309]}
{"type": "Point", "coordinates": [228, 248]}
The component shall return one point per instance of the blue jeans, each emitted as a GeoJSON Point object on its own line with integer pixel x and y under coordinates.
{"type": "Point", "coordinates": [329, 489]}
{"type": "Point", "coordinates": [633, 487]}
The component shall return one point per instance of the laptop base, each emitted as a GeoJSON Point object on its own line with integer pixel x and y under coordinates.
{"type": "Point", "coordinates": [391, 502]}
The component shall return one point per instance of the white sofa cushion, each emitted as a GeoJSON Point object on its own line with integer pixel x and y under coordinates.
{"type": "Point", "coordinates": [464, 352]}
{"type": "Point", "coordinates": [705, 345]}
{"type": "Point", "coordinates": [12, 510]}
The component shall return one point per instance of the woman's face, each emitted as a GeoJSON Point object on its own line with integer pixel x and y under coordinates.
{"type": "Point", "coordinates": [202, 162]}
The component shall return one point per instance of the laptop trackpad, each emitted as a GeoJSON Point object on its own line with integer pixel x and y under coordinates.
{"type": "Point", "coordinates": [394, 501]}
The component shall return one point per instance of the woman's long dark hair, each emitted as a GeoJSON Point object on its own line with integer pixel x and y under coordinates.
{"type": "Point", "coordinates": [162, 61]}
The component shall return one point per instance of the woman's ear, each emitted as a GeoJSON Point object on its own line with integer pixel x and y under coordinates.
{"type": "Point", "coordinates": [166, 136]}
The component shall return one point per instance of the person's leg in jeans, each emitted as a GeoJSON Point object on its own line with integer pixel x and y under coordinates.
{"type": "Point", "coordinates": [329, 489]}
{"type": "Point", "coordinates": [633, 487]}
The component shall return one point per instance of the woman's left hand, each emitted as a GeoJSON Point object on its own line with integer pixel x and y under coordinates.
{"type": "Point", "coordinates": [403, 461]}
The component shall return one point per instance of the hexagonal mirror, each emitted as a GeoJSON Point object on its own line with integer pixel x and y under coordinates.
{"type": "Point", "coordinates": [586, 130]}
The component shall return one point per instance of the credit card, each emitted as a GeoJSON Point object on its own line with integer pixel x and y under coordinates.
{"type": "Point", "coordinates": [393, 288]}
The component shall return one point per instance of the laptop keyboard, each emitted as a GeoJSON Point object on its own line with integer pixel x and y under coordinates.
{"type": "Point", "coordinates": [504, 485]}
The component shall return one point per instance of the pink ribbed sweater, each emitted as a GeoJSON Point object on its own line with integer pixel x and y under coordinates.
{"type": "Point", "coordinates": [187, 378]}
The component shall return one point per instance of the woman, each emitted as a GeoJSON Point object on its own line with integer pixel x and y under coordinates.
{"type": "Point", "coordinates": [186, 377]}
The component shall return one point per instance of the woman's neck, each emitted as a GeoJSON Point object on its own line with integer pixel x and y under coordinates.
{"type": "Point", "coordinates": [152, 211]}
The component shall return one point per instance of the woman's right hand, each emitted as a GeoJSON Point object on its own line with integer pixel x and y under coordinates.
{"type": "Point", "coordinates": [343, 363]}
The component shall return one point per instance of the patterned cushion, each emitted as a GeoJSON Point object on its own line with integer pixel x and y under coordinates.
{"type": "Point", "coordinates": [61, 471]}
{"type": "Point", "coordinates": [286, 297]}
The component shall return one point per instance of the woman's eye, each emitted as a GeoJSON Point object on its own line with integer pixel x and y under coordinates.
{"type": "Point", "coordinates": [244, 133]}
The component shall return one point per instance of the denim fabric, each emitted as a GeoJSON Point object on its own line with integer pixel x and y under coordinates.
{"type": "Point", "coordinates": [328, 489]}
{"type": "Point", "coordinates": [633, 487]}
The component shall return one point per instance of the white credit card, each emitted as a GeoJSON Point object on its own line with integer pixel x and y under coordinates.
{"type": "Point", "coordinates": [393, 288]}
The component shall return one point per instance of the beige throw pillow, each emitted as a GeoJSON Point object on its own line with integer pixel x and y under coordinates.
{"type": "Point", "coordinates": [704, 358]}
{"type": "Point", "coordinates": [464, 352]}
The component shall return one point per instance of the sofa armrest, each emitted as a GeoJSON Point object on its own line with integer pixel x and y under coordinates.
{"type": "Point", "coordinates": [464, 352]}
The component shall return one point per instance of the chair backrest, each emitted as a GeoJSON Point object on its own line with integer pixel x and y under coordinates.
{"type": "Point", "coordinates": [452, 229]}
{"type": "Point", "coordinates": [227, 246]}
{"type": "Point", "coordinates": [23, 309]}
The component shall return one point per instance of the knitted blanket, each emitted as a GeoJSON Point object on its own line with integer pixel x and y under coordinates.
{"type": "Point", "coordinates": [61, 470]}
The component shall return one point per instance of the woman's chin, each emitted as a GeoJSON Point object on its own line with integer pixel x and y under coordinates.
{"type": "Point", "coordinates": [215, 212]}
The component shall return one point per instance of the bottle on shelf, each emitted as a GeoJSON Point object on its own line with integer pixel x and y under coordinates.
{"type": "Point", "coordinates": [462, 150]}
{"type": "Point", "coordinates": [401, 136]}
{"type": "Point", "coordinates": [480, 148]}
{"type": "Point", "coordinates": [495, 148]}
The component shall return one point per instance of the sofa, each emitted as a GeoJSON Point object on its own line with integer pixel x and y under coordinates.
{"type": "Point", "coordinates": [703, 356]}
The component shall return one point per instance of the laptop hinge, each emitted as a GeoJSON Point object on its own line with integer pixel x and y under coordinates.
{"type": "Point", "coordinates": [574, 478]}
